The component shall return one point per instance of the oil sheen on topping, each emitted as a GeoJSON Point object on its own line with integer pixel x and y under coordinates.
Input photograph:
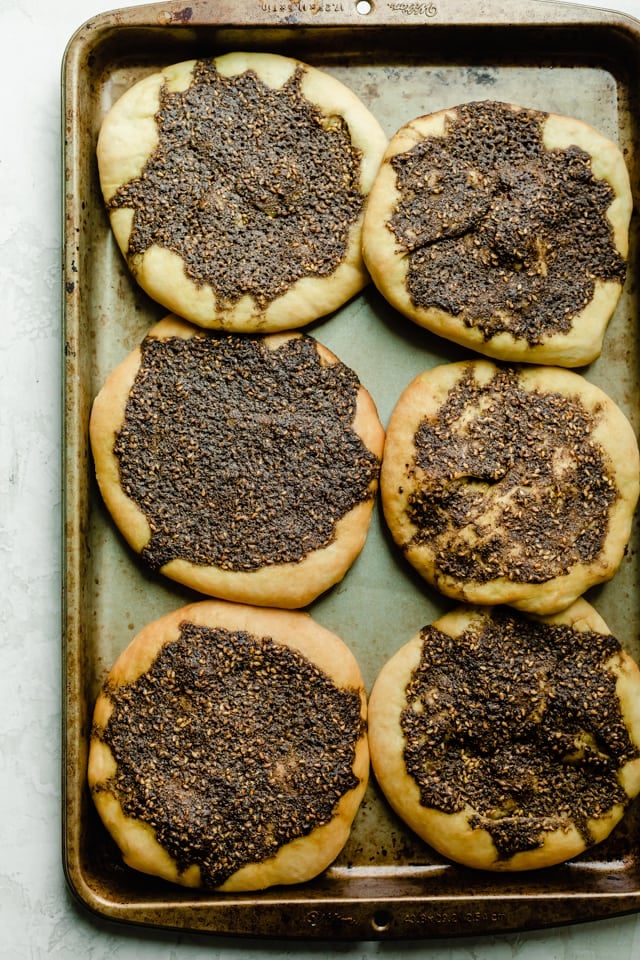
{"type": "Point", "coordinates": [241, 456]}
{"type": "Point", "coordinates": [230, 746]}
{"type": "Point", "coordinates": [521, 720]}
{"type": "Point", "coordinates": [510, 481]}
{"type": "Point", "coordinates": [254, 188]}
{"type": "Point", "coordinates": [501, 232]}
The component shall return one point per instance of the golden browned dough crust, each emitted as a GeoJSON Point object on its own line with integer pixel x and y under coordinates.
{"type": "Point", "coordinates": [509, 484]}
{"type": "Point", "coordinates": [229, 747]}
{"type": "Point", "coordinates": [509, 742]}
{"type": "Point", "coordinates": [245, 468]}
{"type": "Point", "coordinates": [235, 189]}
{"type": "Point", "coordinates": [503, 229]}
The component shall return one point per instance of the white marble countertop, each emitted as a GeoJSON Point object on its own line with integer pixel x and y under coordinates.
{"type": "Point", "coordinates": [38, 917]}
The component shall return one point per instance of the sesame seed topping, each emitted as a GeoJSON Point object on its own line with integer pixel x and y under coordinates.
{"type": "Point", "coordinates": [253, 187]}
{"type": "Point", "coordinates": [501, 232]}
{"type": "Point", "coordinates": [241, 456]}
{"type": "Point", "coordinates": [229, 746]}
{"type": "Point", "coordinates": [512, 482]}
{"type": "Point", "coordinates": [522, 721]}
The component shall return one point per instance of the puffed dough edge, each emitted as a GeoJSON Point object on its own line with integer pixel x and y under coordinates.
{"type": "Point", "coordinates": [128, 137]}
{"type": "Point", "coordinates": [451, 834]}
{"type": "Point", "coordinates": [295, 862]}
{"type": "Point", "coordinates": [388, 265]}
{"type": "Point", "coordinates": [288, 585]}
{"type": "Point", "coordinates": [424, 396]}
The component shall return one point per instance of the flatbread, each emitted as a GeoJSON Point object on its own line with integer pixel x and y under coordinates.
{"type": "Point", "coordinates": [503, 229]}
{"type": "Point", "coordinates": [229, 748]}
{"type": "Point", "coordinates": [235, 187]}
{"type": "Point", "coordinates": [510, 484]}
{"type": "Point", "coordinates": [244, 467]}
{"type": "Point", "coordinates": [509, 742]}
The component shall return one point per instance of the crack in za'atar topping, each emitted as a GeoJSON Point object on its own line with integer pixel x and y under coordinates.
{"type": "Point", "coordinates": [510, 482]}
{"type": "Point", "coordinates": [229, 746]}
{"type": "Point", "coordinates": [500, 231]}
{"type": "Point", "coordinates": [241, 455]}
{"type": "Point", "coordinates": [253, 187]}
{"type": "Point", "coordinates": [521, 721]}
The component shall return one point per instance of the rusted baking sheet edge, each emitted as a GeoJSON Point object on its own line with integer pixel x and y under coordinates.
{"type": "Point", "coordinates": [358, 13]}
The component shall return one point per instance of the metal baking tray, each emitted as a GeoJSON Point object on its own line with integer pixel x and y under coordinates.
{"type": "Point", "coordinates": [404, 58]}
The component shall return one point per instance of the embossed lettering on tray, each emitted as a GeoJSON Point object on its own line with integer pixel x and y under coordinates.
{"type": "Point", "coordinates": [414, 9]}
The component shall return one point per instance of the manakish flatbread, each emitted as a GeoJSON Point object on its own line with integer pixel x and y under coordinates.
{"type": "Point", "coordinates": [507, 484]}
{"type": "Point", "coordinates": [229, 747]}
{"type": "Point", "coordinates": [509, 742]}
{"type": "Point", "coordinates": [245, 467]}
{"type": "Point", "coordinates": [235, 189]}
{"type": "Point", "coordinates": [503, 229]}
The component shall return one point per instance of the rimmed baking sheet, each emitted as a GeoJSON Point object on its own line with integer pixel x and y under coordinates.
{"type": "Point", "coordinates": [404, 58]}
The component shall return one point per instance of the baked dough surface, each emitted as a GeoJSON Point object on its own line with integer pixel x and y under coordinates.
{"type": "Point", "coordinates": [243, 467]}
{"type": "Point", "coordinates": [509, 484]}
{"type": "Point", "coordinates": [235, 189]}
{"type": "Point", "coordinates": [505, 741]}
{"type": "Point", "coordinates": [503, 229]}
{"type": "Point", "coordinates": [229, 747]}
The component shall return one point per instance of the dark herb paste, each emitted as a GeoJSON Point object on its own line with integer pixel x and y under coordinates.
{"type": "Point", "coordinates": [521, 720]}
{"type": "Point", "coordinates": [253, 187]}
{"type": "Point", "coordinates": [241, 456]}
{"type": "Point", "coordinates": [230, 746]}
{"type": "Point", "coordinates": [500, 231]}
{"type": "Point", "coordinates": [511, 482]}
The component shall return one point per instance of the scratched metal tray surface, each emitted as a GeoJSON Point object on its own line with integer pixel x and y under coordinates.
{"type": "Point", "coordinates": [404, 58]}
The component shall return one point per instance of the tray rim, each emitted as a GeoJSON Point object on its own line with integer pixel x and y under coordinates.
{"type": "Point", "coordinates": [360, 916]}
